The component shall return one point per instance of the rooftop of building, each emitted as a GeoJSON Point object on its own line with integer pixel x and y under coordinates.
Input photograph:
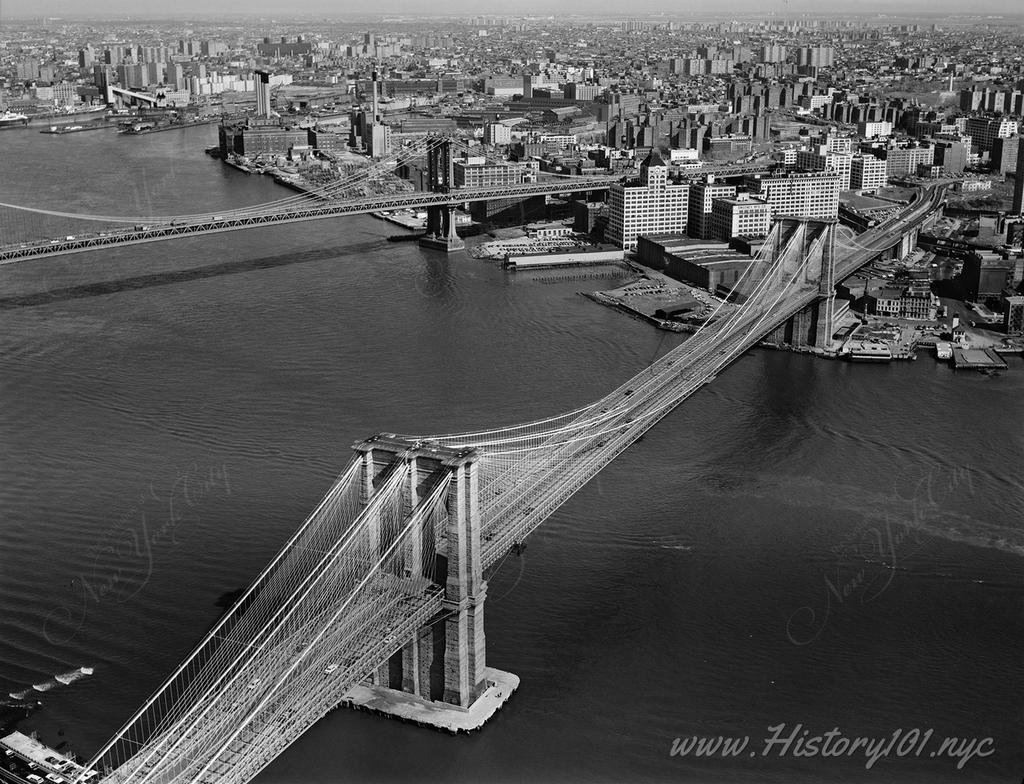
{"type": "Point", "coordinates": [672, 240]}
{"type": "Point", "coordinates": [723, 259]}
{"type": "Point", "coordinates": [888, 292]}
{"type": "Point", "coordinates": [707, 253]}
{"type": "Point", "coordinates": [743, 200]}
{"type": "Point", "coordinates": [653, 159]}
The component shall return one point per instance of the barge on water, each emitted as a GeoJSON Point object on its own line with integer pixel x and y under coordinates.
{"type": "Point", "coordinates": [570, 257]}
{"type": "Point", "coordinates": [415, 220]}
{"type": "Point", "coordinates": [150, 126]}
{"type": "Point", "coordinates": [62, 129]}
{"type": "Point", "coordinates": [864, 351]}
{"type": "Point", "coordinates": [977, 359]}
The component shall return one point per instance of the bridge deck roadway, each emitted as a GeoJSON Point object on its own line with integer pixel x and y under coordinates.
{"type": "Point", "coordinates": [312, 210]}
{"type": "Point", "coordinates": [369, 635]}
{"type": "Point", "coordinates": [650, 395]}
{"type": "Point", "coordinates": [145, 230]}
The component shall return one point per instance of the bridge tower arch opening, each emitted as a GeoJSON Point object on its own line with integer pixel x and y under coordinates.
{"type": "Point", "coordinates": [441, 234]}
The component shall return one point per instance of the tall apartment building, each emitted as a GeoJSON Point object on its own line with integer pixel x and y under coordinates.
{"type": "Point", "coordinates": [701, 200]}
{"type": "Point", "coordinates": [651, 206]}
{"type": "Point", "coordinates": [213, 48]}
{"type": "Point", "coordinates": [576, 91]}
{"type": "Point", "coordinates": [497, 133]}
{"type": "Point", "coordinates": [773, 54]}
{"type": "Point", "coordinates": [952, 155]}
{"type": "Point", "coordinates": [132, 76]}
{"type": "Point", "coordinates": [867, 173]}
{"type": "Point", "coordinates": [1018, 186]}
{"type": "Point", "coordinates": [984, 130]}
{"type": "Point", "coordinates": [742, 216]}
{"type": "Point", "coordinates": [902, 160]}
{"type": "Point", "coordinates": [798, 194]}
{"type": "Point", "coordinates": [989, 100]}
{"type": "Point", "coordinates": [174, 76]}
{"type": "Point", "coordinates": [816, 56]}
{"type": "Point", "coordinates": [1003, 155]}
{"type": "Point", "coordinates": [971, 100]}
{"type": "Point", "coordinates": [834, 143]}
{"type": "Point", "coordinates": [694, 66]}
{"type": "Point", "coordinates": [871, 129]}
{"type": "Point", "coordinates": [820, 159]}
{"type": "Point", "coordinates": [154, 72]}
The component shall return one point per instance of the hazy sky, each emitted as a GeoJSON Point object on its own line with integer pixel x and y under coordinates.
{"type": "Point", "coordinates": [343, 8]}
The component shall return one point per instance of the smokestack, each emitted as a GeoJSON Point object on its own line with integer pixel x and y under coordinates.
{"type": "Point", "coordinates": [376, 118]}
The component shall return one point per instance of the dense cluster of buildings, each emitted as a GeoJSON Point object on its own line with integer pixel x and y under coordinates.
{"type": "Point", "coordinates": [815, 109]}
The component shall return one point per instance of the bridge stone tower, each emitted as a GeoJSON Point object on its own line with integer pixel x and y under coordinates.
{"type": "Point", "coordinates": [441, 233]}
{"type": "Point", "coordinates": [813, 326]}
{"type": "Point", "coordinates": [445, 661]}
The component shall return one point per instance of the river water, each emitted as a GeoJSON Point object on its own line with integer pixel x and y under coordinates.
{"type": "Point", "coordinates": [803, 542]}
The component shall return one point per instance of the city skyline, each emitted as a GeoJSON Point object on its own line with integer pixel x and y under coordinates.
{"type": "Point", "coordinates": [14, 9]}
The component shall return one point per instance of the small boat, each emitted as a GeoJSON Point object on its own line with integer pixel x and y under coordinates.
{"type": "Point", "coordinates": [863, 351]}
{"type": "Point", "coordinates": [9, 119]}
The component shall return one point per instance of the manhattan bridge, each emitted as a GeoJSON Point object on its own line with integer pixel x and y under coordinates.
{"type": "Point", "coordinates": [388, 573]}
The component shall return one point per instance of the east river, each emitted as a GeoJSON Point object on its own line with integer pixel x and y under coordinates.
{"type": "Point", "coordinates": [803, 542]}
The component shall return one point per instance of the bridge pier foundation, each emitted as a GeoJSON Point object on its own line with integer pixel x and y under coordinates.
{"type": "Point", "coordinates": [908, 242]}
{"type": "Point", "coordinates": [441, 234]}
{"type": "Point", "coordinates": [416, 664]}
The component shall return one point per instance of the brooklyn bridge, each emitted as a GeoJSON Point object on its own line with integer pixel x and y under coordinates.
{"type": "Point", "coordinates": [389, 573]}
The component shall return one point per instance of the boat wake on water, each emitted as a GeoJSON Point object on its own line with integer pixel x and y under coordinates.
{"type": "Point", "coordinates": [75, 675]}
{"type": "Point", "coordinates": [64, 679]}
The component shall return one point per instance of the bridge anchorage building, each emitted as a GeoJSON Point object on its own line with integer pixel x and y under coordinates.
{"type": "Point", "coordinates": [439, 676]}
{"type": "Point", "coordinates": [441, 234]}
